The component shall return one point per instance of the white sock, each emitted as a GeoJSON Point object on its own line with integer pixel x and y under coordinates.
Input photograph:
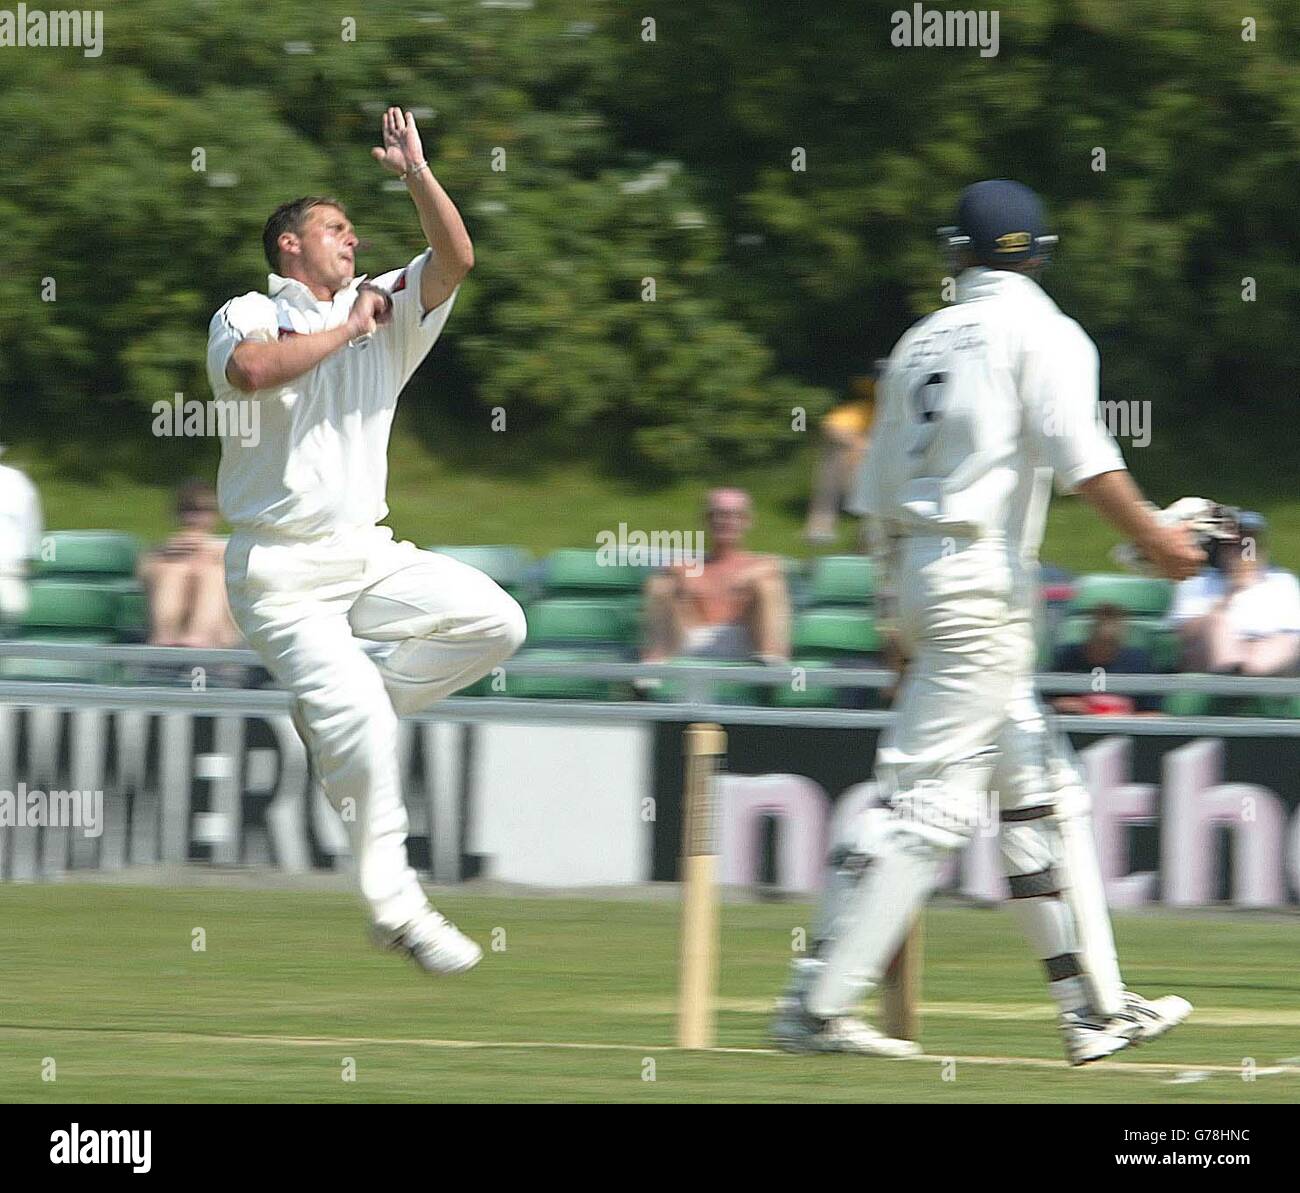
{"type": "Point", "coordinates": [1049, 926]}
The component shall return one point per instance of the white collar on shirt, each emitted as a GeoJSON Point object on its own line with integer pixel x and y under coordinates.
{"type": "Point", "coordinates": [981, 282]}
{"type": "Point", "coordinates": [297, 294]}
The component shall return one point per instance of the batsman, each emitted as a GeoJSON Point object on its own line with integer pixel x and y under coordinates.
{"type": "Point", "coordinates": [984, 403]}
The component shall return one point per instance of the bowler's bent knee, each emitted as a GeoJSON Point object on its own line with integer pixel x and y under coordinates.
{"type": "Point", "coordinates": [512, 627]}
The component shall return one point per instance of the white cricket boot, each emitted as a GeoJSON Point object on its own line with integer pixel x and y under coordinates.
{"type": "Point", "coordinates": [1153, 1016]}
{"type": "Point", "coordinates": [1091, 1037]}
{"type": "Point", "coordinates": [795, 1030]}
{"type": "Point", "coordinates": [434, 943]}
{"type": "Point", "coordinates": [841, 1034]}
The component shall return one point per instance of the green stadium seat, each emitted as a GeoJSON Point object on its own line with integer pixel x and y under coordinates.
{"type": "Point", "coordinates": [1272, 706]}
{"type": "Point", "coordinates": [675, 691]}
{"type": "Point", "coordinates": [132, 614]}
{"type": "Point", "coordinates": [508, 566]}
{"type": "Point", "coordinates": [554, 687]}
{"type": "Point", "coordinates": [1200, 704]}
{"type": "Point", "coordinates": [559, 621]}
{"type": "Point", "coordinates": [1166, 648]}
{"type": "Point", "coordinates": [832, 632]}
{"type": "Point", "coordinates": [1283, 706]}
{"type": "Point", "coordinates": [69, 604]}
{"type": "Point", "coordinates": [88, 553]}
{"type": "Point", "coordinates": [1187, 704]}
{"type": "Point", "coordinates": [61, 670]}
{"type": "Point", "coordinates": [786, 696]}
{"type": "Point", "coordinates": [572, 572]}
{"type": "Point", "coordinates": [1142, 596]}
{"type": "Point", "coordinates": [842, 580]}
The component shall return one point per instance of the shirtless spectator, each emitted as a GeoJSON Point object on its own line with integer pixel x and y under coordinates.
{"type": "Point", "coordinates": [185, 578]}
{"type": "Point", "coordinates": [735, 607]}
{"type": "Point", "coordinates": [1243, 616]}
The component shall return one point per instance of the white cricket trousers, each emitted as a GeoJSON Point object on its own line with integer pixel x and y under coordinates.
{"type": "Point", "coordinates": [362, 629]}
{"type": "Point", "coordinates": [967, 712]}
{"type": "Point", "coordinates": [956, 618]}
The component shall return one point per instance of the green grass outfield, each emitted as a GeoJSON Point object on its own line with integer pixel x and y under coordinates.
{"type": "Point", "coordinates": [578, 1005]}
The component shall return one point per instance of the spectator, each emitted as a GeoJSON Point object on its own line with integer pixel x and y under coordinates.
{"type": "Point", "coordinates": [1241, 617]}
{"type": "Point", "coordinates": [185, 578]}
{"type": "Point", "coordinates": [20, 540]}
{"type": "Point", "coordinates": [1105, 648]}
{"type": "Point", "coordinates": [733, 606]}
{"type": "Point", "coordinates": [845, 434]}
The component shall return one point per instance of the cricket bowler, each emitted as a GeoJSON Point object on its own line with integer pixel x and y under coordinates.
{"type": "Point", "coordinates": [984, 403]}
{"type": "Point", "coordinates": [358, 627]}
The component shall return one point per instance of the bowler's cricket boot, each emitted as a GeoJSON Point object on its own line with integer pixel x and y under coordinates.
{"type": "Point", "coordinates": [1089, 1037]}
{"type": "Point", "coordinates": [796, 1029]}
{"type": "Point", "coordinates": [435, 944]}
{"type": "Point", "coordinates": [1153, 1016]}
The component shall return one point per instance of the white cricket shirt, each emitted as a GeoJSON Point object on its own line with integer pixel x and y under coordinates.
{"type": "Point", "coordinates": [20, 538]}
{"type": "Point", "coordinates": [1269, 606]}
{"type": "Point", "coordinates": [982, 402]}
{"type": "Point", "coordinates": [320, 463]}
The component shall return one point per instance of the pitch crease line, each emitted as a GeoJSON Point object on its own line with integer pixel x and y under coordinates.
{"type": "Point", "coordinates": [586, 1046]}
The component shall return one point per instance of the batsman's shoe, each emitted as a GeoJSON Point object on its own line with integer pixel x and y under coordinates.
{"type": "Point", "coordinates": [794, 1030]}
{"type": "Point", "coordinates": [435, 944]}
{"type": "Point", "coordinates": [1091, 1037]}
{"type": "Point", "coordinates": [1153, 1016]}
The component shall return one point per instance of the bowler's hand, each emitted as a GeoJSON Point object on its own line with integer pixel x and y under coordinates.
{"type": "Point", "coordinates": [369, 311]}
{"type": "Point", "coordinates": [402, 149]}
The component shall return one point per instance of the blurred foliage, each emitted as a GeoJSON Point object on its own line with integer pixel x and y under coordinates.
{"type": "Point", "coordinates": [669, 159]}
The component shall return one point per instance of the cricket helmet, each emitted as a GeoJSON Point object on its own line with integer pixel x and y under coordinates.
{"type": "Point", "coordinates": [999, 222]}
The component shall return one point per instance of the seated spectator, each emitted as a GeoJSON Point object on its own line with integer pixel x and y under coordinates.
{"type": "Point", "coordinates": [20, 540]}
{"type": "Point", "coordinates": [1241, 617]}
{"type": "Point", "coordinates": [1105, 648]}
{"type": "Point", "coordinates": [735, 606]}
{"type": "Point", "coordinates": [845, 433]}
{"type": "Point", "coordinates": [185, 578]}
